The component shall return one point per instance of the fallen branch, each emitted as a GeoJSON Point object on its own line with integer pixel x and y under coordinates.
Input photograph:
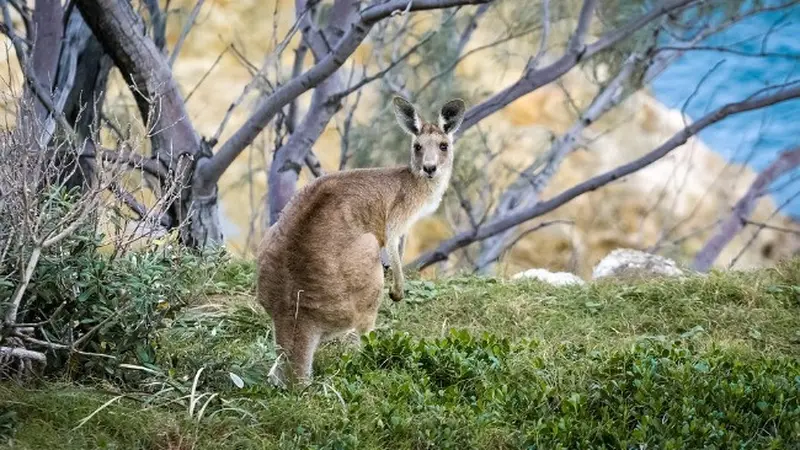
{"type": "Point", "coordinates": [22, 353]}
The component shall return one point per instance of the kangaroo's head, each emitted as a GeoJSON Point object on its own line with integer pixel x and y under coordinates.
{"type": "Point", "coordinates": [432, 144]}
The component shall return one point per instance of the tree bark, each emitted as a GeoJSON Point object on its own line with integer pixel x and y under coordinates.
{"type": "Point", "coordinates": [47, 36]}
{"type": "Point", "coordinates": [176, 144]}
{"type": "Point", "coordinates": [79, 89]}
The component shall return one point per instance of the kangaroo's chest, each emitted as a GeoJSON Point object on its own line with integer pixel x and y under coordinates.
{"type": "Point", "coordinates": [429, 207]}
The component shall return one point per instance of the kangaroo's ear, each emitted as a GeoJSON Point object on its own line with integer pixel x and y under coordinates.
{"type": "Point", "coordinates": [407, 116]}
{"type": "Point", "coordinates": [452, 115]}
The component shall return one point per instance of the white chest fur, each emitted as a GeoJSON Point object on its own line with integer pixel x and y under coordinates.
{"type": "Point", "coordinates": [430, 206]}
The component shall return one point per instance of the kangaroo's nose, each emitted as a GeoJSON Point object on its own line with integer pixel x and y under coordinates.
{"type": "Point", "coordinates": [429, 169]}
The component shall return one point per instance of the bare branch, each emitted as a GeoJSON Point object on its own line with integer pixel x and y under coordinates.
{"type": "Point", "coordinates": [526, 189]}
{"type": "Point", "coordinates": [29, 75]}
{"type": "Point", "coordinates": [158, 98]}
{"type": "Point", "coordinates": [534, 229]}
{"type": "Point", "coordinates": [57, 346]}
{"type": "Point", "coordinates": [763, 98]}
{"type": "Point", "coordinates": [761, 228]}
{"type": "Point", "coordinates": [534, 62]}
{"type": "Point", "coordinates": [740, 214]}
{"type": "Point", "coordinates": [344, 149]}
{"type": "Point", "coordinates": [720, 49]}
{"type": "Point", "coordinates": [134, 160]}
{"type": "Point", "coordinates": [366, 80]}
{"type": "Point", "coordinates": [533, 79]}
{"type": "Point", "coordinates": [327, 66]}
{"type": "Point", "coordinates": [299, 57]}
{"type": "Point", "coordinates": [576, 42]}
{"type": "Point", "coordinates": [19, 292]}
{"type": "Point", "coordinates": [52, 240]}
{"type": "Point", "coordinates": [471, 27]}
{"type": "Point", "coordinates": [767, 226]}
{"type": "Point", "coordinates": [475, 50]}
{"type": "Point", "coordinates": [207, 73]}
{"type": "Point", "coordinates": [23, 353]}
{"type": "Point", "coordinates": [43, 322]}
{"type": "Point", "coordinates": [185, 32]}
{"type": "Point", "coordinates": [159, 22]}
{"type": "Point", "coordinates": [258, 75]}
{"type": "Point", "coordinates": [137, 207]}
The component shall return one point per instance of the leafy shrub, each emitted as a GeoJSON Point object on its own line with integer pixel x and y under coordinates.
{"type": "Point", "coordinates": [105, 303]}
{"type": "Point", "coordinates": [658, 394]}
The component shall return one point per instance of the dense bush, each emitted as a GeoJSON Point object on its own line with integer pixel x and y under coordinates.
{"type": "Point", "coordinates": [460, 391]}
{"type": "Point", "coordinates": [101, 302]}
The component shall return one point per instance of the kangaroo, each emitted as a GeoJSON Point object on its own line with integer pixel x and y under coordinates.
{"type": "Point", "coordinates": [320, 275]}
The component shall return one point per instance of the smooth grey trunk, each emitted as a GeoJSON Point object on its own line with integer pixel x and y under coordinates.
{"type": "Point", "coordinates": [43, 58]}
{"type": "Point", "coordinates": [79, 91]}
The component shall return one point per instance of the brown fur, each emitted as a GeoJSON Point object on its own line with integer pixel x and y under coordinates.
{"type": "Point", "coordinates": [320, 273]}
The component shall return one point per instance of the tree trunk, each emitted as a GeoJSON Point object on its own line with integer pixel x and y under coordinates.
{"type": "Point", "coordinates": [288, 161]}
{"type": "Point", "coordinates": [47, 36]}
{"type": "Point", "coordinates": [175, 143]}
{"type": "Point", "coordinates": [80, 86]}
{"type": "Point", "coordinates": [284, 171]}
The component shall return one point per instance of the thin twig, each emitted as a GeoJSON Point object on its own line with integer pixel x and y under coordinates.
{"type": "Point", "coordinates": [536, 228]}
{"type": "Point", "coordinates": [773, 227]}
{"type": "Point", "coordinates": [185, 32]}
{"type": "Point", "coordinates": [761, 228]}
{"type": "Point", "coordinates": [55, 346]}
{"type": "Point", "coordinates": [313, 164]}
{"type": "Point", "coordinates": [207, 73]}
{"type": "Point", "coordinates": [43, 322]}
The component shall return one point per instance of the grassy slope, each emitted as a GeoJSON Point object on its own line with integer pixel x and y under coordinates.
{"type": "Point", "coordinates": [670, 363]}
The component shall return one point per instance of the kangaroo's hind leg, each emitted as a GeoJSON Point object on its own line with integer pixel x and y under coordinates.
{"type": "Point", "coordinates": [297, 342]}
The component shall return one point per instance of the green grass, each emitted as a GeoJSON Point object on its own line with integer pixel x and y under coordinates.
{"type": "Point", "coordinates": [463, 363]}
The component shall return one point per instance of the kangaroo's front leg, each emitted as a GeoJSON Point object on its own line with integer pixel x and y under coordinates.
{"type": "Point", "coordinates": [396, 291]}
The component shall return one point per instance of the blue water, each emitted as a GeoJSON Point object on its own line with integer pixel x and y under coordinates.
{"type": "Point", "coordinates": [754, 137]}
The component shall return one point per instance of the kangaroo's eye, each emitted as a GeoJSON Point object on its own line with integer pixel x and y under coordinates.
{"type": "Point", "coordinates": [417, 147]}
{"type": "Point", "coordinates": [443, 146]}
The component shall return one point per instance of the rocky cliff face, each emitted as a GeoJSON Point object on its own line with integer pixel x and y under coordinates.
{"type": "Point", "coordinates": [672, 204]}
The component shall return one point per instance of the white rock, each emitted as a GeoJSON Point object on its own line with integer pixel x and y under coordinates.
{"type": "Point", "coordinates": [554, 278]}
{"type": "Point", "coordinates": [625, 262]}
